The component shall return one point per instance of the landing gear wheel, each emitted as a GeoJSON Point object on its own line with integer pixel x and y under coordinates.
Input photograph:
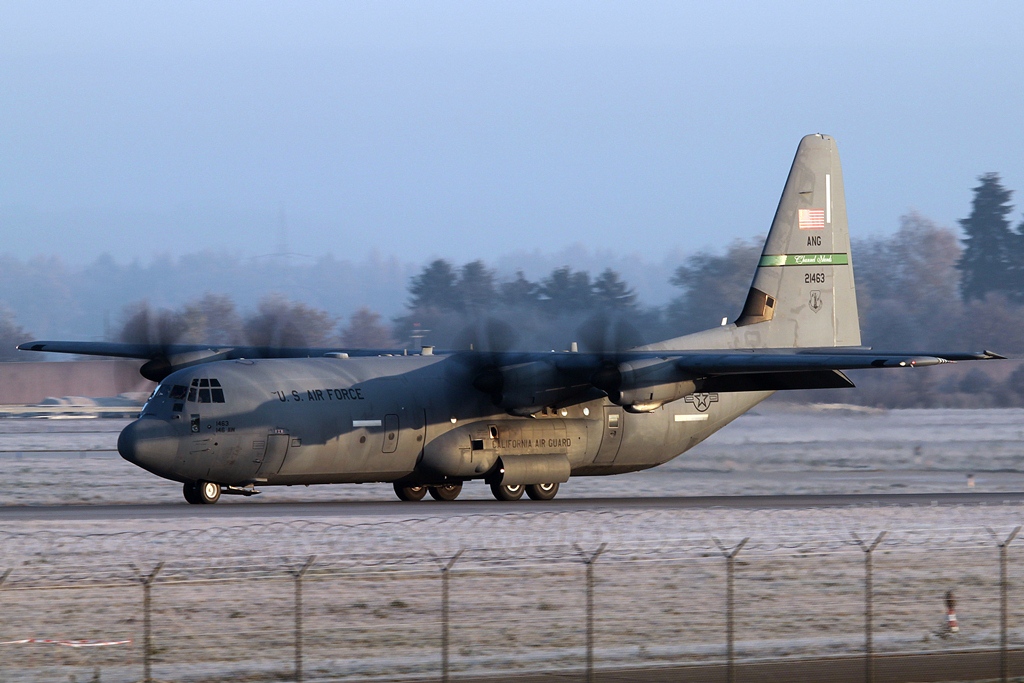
{"type": "Point", "coordinates": [446, 492]}
{"type": "Point", "coordinates": [542, 491]}
{"type": "Point", "coordinates": [191, 493]}
{"type": "Point", "coordinates": [410, 493]}
{"type": "Point", "coordinates": [507, 492]}
{"type": "Point", "coordinates": [208, 492]}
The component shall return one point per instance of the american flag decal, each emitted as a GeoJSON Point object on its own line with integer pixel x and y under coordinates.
{"type": "Point", "coordinates": [811, 219]}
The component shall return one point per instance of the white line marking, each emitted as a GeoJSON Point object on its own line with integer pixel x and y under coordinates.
{"type": "Point", "coordinates": [828, 198]}
{"type": "Point", "coordinates": [691, 418]}
{"type": "Point", "coordinates": [366, 423]}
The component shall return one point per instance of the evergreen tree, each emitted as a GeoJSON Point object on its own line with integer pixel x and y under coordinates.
{"type": "Point", "coordinates": [475, 291]}
{"type": "Point", "coordinates": [519, 293]}
{"type": "Point", "coordinates": [435, 287]}
{"type": "Point", "coordinates": [611, 293]}
{"type": "Point", "coordinates": [990, 247]}
{"type": "Point", "coordinates": [567, 291]}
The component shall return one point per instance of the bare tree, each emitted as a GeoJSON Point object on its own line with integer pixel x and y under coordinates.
{"type": "Point", "coordinates": [366, 331]}
{"type": "Point", "coordinates": [11, 334]}
{"type": "Point", "coordinates": [279, 322]}
{"type": "Point", "coordinates": [145, 325]}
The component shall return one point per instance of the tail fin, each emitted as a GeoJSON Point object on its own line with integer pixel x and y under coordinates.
{"type": "Point", "coordinates": [803, 291]}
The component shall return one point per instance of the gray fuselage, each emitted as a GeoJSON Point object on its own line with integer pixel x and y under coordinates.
{"type": "Point", "coordinates": [413, 419]}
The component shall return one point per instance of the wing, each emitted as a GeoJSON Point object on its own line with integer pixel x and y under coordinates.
{"type": "Point", "coordinates": [163, 359]}
{"type": "Point", "coordinates": [642, 381]}
{"type": "Point", "coordinates": [525, 382]}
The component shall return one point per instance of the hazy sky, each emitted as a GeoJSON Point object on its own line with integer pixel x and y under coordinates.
{"type": "Point", "coordinates": [475, 129]}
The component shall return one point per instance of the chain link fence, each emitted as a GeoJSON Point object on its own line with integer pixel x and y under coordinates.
{"type": "Point", "coordinates": [576, 595]}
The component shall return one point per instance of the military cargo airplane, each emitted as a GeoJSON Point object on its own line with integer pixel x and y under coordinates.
{"type": "Point", "coordinates": [224, 420]}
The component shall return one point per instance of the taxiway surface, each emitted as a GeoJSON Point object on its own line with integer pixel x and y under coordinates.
{"type": "Point", "coordinates": [398, 509]}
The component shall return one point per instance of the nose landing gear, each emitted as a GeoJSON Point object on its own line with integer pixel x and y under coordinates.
{"type": "Point", "coordinates": [201, 492]}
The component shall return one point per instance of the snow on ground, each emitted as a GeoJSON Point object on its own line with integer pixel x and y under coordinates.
{"type": "Point", "coordinates": [223, 604]}
{"type": "Point", "coordinates": [777, 449]}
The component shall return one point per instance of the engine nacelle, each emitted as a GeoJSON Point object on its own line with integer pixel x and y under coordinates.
{"type": "Point", "coordinates": [526, 388]}
{"type": "Point", "coordinates": [645, 385]}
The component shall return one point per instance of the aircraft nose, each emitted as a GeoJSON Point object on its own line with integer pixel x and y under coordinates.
{"type": "Point", "coordinates": [150, 444]}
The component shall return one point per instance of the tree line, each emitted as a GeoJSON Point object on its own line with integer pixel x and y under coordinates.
{"type": "Point", "coordinates": [922, 288]}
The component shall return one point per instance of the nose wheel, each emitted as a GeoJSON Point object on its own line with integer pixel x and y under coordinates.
{"type": "Point", "coordinates": [201, 492]}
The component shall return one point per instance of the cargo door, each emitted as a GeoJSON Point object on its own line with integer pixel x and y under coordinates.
{"type": "Point", "coordinates": [273, 457]}
{"type": "Point", "coordinates": [390, 444]}
{"type": "Point", "coordinates": [611, 436]}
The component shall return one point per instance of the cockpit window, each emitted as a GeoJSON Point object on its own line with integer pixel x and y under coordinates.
{"type": "Point", "coordinates": [205, 391]}
{"type": "Point", "coordinates": [178, 392]}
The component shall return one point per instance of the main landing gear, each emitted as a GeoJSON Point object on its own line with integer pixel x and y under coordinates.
{"type": "Point", "coordinates": [515, 492]}
{"type": "Point", "coordinates": [542, 491]}
{"type": "Point", "coordinates": [449, 492]}
{"type": "Point", "coordinates": [201, 492]}
{"type": "Point", "coordinates": [410, 493]}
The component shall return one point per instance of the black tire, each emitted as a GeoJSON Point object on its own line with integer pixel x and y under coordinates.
{"type": "Point", "coordinates": [410, 493]}
{"type": "Point", "coordinates": [508, 493]}
{"type": "Point", "coordinates": [447, 492]}
{"type": "Point", "coordinates": [191, 493]}
{"type": "Point", "coordinates": [542, 491]}
{"type": "Point", "coordinates": [208, 492]}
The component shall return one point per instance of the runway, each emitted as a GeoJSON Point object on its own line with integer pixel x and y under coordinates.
{"type": "Point", "coordinates": [919, 668]}
{"type": "Point", "coordinates": [232, 508]}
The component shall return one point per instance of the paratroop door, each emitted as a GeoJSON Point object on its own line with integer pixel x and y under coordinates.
{"type": "Point", "coordinates": [273, 457]}
{"type": "Point", "coordinates": [611, 436]}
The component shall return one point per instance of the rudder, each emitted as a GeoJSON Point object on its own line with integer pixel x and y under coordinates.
{"type": "Point", "coordinates": [803, 291]}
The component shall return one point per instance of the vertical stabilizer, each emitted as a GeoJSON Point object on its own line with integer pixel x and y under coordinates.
{"type": "Point", "coordinates": [803, 291]}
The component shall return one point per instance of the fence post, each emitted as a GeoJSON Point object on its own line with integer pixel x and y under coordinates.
{"type": "Point", "coordinates": [445, 572]}
{"type": "Point", "coordinates": [730, 631]}
{"type": "Point", "coordinates": [1003, 600]}
{"type": "Point", "coordinates": [869, 604]}
{"type": "Point", "coordinates": [298, 575]}
{"type": "Point", "coordinates": [147, 620]}
{"type": "Point", "coordinates": [588, 560]}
